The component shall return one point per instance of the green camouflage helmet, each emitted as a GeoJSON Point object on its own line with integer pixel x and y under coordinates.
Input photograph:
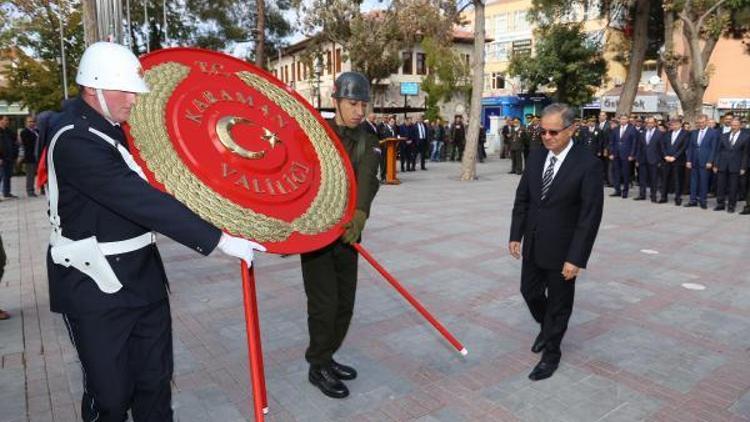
{"type": "Point", "coordinates": [352, 85]}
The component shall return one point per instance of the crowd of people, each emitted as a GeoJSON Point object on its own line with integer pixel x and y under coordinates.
{"type": "Point", "coordinates": [19, 153]}
{"type": "Point", "coordinates": [421, 140]}
{"type": "Point", "coordinates": [661, 158]}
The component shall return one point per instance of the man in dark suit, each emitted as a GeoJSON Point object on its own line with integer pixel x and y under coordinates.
{"type": "Point", "coordinates": [370, 125]}
{"type": "Point", "coordinates": [557, 211]}
{"type": "Point", "coordinates": [406, 147]}
{"type": "Point", "coordinates": [29, 140]}
{"type": "Point", "coordinates": [8, 154]}
{"type": "Point", "coordinates": [601, 136]}
{"type": "Point", "coordinates": [700, 160]}
{"type": "Point", "coordinates": [422, 134]}
{"type": "Point", "coordinates": [731, 163]}
{"type": "Point", "coordinates": [674, 148]}
{"type": "Point", "coordinates": [386, 130]}
{"type": "Point", "coordinates": [621, 152]}
{"type": "Point", "coordinates": [649, 156]}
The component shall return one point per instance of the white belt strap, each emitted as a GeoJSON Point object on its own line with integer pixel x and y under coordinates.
{"type": "Point", "coordinates": [129, 245]}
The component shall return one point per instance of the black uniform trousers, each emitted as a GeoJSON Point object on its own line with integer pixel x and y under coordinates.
{"type": "Point", "coordinates": [726, 186]}
{"type": "Point", "coordinates": [621, 172]}
{"type": "Point", "coordinates": [550, 299]}
{"type": "Point", "coordinates": [648, 175]}
{"type": "Point", "coordinates": [672, 174]}
{"type": "Point", "coordinates": [330, 276]}
{"type": "Point", "coordinates": [127, 362]}
{"type": "Point", "coordinates": [516, 157]}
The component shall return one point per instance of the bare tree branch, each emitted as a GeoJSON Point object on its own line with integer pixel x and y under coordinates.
{"type": "Point", "coordinates": [708, 12]}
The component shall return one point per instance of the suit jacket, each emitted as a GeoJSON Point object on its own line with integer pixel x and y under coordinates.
{"type": "Point", "coordinates": [623, 147]}
{"type": "Point", "coordinates": [29, 139]}
{"type": "Point", "coordinates": [7, 145]}
{"type": "Point", "coordinates": [601, 136]}
{"type": "Point", "coordinates": [563, 226]}
{"type": "Point", "coordinates": [415, 129]}
{"type": "Point", "coordinates": [678, 149]}
{"type": "Point", "coordinates": [651, 153]}
{"type": "Point", "coordinates": [701, 155]}
{"type": "Point", "coordinates": [733, 158]}
{"type": "Point", "coordinates": [388, 131]}
{"type": "Point", "coordinates": [370, 127]}
{"type": "Point", "coordinates": [586, 138]}
{"type": "Point", "coordinates": [407, 131]}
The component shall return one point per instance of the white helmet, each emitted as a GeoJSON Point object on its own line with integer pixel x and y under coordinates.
{"type": "Point", "coordinates": [111, 66]}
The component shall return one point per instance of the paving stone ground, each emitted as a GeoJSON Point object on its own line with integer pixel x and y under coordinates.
{"type": "Point", "coordinates": [639, 347]}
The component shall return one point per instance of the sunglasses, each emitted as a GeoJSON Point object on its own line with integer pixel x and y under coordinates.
{"type": "Point", "coordinates": [553, 132]}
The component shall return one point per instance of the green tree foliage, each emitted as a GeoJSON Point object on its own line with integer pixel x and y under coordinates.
{"type": "Point", "coordinates": [212, 24]}
{"type": "Point", "coordinates": [564, 61]}
{"type": "Point", "coordinates": [447, 75]}
{"type": "Point", "coordinates": [31, 51]}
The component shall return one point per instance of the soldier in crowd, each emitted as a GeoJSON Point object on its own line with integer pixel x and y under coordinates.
{"type": "Point", "coordinates": [534, 129]}
{"type": "Point", "coordinates": [330, 274]}
{"type": "Point", "coordinates": [517, 141]}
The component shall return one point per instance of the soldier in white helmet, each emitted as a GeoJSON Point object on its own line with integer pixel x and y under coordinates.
{"type": "Point", "coordinates": [105, 273]}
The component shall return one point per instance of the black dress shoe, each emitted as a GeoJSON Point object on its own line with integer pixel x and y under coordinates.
{"type": "Point", "coordinates": [704, 206]}
{"type": "Point", "coordinates": [677, 203]}
{"type": "Point", "coordinates": [615, 194]}
{"type": "Point", "coordinates": [691, 204]}
{"type": "Point", "coordinates": [663, 201]}
{"type": "Point", "coordinates": [324, 378]}
{"type": "Point", "coordinates": [10, 196]}
{"type": "Point", "coordinates": [542, 370]}
{"type": "Point", "coordinates": [745, 211]}
{"type": "Point", "coordinates": [719, 207]}
{"type": "Point", "coordinates": [730, 210]}
{"type": "Point", "coordinates": [624, 196]}
{"type": "Point", "coordinates": [639, 198]}
{"type": "Point", "coordinates": [343, 372]}
{"type": "Point", "coordinates": [538, 345]}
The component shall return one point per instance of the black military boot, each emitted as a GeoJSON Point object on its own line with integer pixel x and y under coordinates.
{"type": "Point", "coordinates": [324, 378]}
{"type": "Point", "coordinates": [343, 372]}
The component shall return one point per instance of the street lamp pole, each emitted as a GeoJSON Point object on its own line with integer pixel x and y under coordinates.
{"type": "Point", "coordinates": [318, 72]}
{"type": "Point", "coordinates": [62, 53]}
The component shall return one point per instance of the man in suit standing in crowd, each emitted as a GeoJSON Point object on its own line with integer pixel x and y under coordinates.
{"type": "Point", "coordinates": [29, 140]}
{"type": "Point", "coordinates": [649, 156]}
{"type": "Point", "coordinates": [386, 130]}
{"type": "Point", "coordinates": [731, 163]}
{"type": "Point", "coordinates": [408, 145]}
{"type": "Point", "coordinates": [8, 155]}
{"type": "Point", "coordinates": [422, 133]}
{"type": "Point", "coordinates": [601, 134]}
{"type": "Point", "coordinates": [674, 147]}
{"type": "Point", "coordinates": [700, 161]}
{"type": "Point", "coordinates": [557, 211]}
{"type": "Point", "coordinates": [621, 153]}
{"type": "Point", "coordinates": [458, 138]}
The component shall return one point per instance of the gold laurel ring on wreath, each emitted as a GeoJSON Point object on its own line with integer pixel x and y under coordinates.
{"type": "Point", "coordinates": [149, 132]}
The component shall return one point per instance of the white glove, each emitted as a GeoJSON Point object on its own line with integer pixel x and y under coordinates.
{"type": "Point", "coordinates": [239, 248]}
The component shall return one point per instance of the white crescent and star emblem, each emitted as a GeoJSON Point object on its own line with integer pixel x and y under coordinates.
{"type": "Point", "coordinates": [223, 130]}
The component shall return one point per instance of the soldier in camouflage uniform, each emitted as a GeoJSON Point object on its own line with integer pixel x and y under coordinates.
{"type": "Point", "coordinates": [330, 273]}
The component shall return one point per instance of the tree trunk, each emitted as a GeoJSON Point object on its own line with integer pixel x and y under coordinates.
{"type": "Point", "coordinates": [469, 162]}
{"type": "Point", "coordinates": [260, 33]}
{"type": "Point", "coordinates": [637, 57]}
{"type": "Point", "coordinates": [90, 30]}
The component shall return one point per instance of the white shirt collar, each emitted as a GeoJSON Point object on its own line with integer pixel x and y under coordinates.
{"type": "Point", "coordinates": [560, 157]}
